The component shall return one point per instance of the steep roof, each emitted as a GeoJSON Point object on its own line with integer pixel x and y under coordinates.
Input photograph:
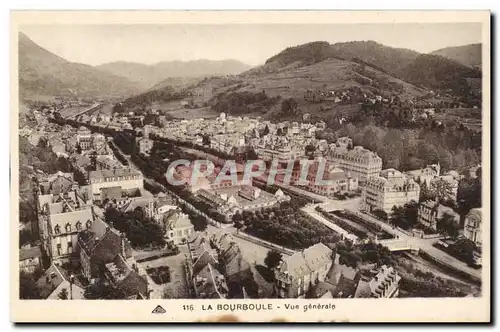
{"type": "Point", "coordinates": [307, 261]}
{"type": "Point", "coordinates": [179, 220]}
{"type": "Point", "coordinates": [206, 258]}
{"type": "Point", "coordinates": [210, 283]}
{"type": "Point", "coordinates": [72, 218]}
{"type": "Point", "coordinates": [102, 242]}
{"type": "Point", "coordinates": [55, 276]}
{"type": "Point", "coordinates": [338, 271]}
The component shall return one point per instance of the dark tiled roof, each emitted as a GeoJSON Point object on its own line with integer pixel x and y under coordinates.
{"type": "Point", "coordinates": [51, 279]}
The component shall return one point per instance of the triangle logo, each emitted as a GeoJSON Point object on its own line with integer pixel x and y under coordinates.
{"type": "Point", "coordinates": [158, 310]}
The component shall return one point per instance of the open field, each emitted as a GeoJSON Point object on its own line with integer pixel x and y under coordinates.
{"type": "Point", "coordinates": [185, 113]}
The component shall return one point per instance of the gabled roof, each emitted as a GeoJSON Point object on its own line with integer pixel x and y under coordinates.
{"type": "Point", "coordinates": [206, 258]}
{"type": "Point", "coordinates": [265, 288]}
{"type": "Point", "coordinates": [101, 239]}
{"type": "Point", "coordinates": [338, 271]}
{"type": "Point", "coordinates": [53, 277]}
{"type": "Point", "coordinates": [212, 285]}
{"type": "Point", "coordinates": [307, 261]}
{"type": "Point", "coordinates": [236, 265]}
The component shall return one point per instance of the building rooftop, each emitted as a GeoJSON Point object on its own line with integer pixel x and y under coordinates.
{"type": "Point", "coordinates": [27, 253]}
{"type": "Point", "coordinates": [307, 261]}
{"type": "Point", "coordinates": [112, 173]}
{"type": "Point", "coordinates": [357, 152]}
{"type": "Point", "coordinates": [233, 194]}
{"type": "Point", "coordinates": [118, 268]}
{"type": "Point", "coordinates": [475, 213]}
{"type": "Point", "coordinates": [54, 277]}
{"type": "Point", "coordinates": [440, 209]}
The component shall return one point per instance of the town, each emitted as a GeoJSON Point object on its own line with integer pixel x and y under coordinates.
{"type": "Point", "coordinates": [100, 220]}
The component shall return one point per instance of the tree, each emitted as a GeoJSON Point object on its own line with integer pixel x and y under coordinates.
{"type": "Point", "coordinates": [382, 215]}
{"type": "Point", "coordinates": [27, 286]}
{"type": "Point", "coordinates": [237, 217]}
{"type": "Point", "coordinates": [63, 294]}
{"type": "Point", "coordinates": [200, 223]}
{"type": "Point", "coordinates": [425, 194]}
{"type": "Point", "coordinates": [464, 250]}
{"type": "Point", "coordinates": [405, 216]}
{"type": "Point", "coordinates": [447, 225]}
{"type": "Point", "coordinates": [441, 189]}
{"type": "Point", "coordinates": [26, 236]}
{"type": "Point", "coordinates": [468, 195]}
{"type": "Point", "coordinates": [238, 225]}
{"type": "Point", "coordinates": [289, 106]}
{"type": "Point", "coordinates": [273, 258]}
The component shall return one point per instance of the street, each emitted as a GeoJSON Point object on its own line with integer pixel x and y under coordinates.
{"type": "Point", "coordinates": [425, 245]}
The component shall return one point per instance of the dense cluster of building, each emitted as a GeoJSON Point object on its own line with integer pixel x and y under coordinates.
{"type": "Point", "coordinates": [217, 269]}
{"type": "Point", "coordinates": [73, 234]}
{"type": "Point", "coordinates": [72, 227]}
{"type": "Point", "coordinates": [317, 273]}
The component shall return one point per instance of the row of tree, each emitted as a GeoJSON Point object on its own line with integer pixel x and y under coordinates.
{"type": "Point", "coordinates": [285, 225]}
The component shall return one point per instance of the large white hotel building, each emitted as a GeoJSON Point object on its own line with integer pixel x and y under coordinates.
{"type": "Point", "coordinates": [391, 188]}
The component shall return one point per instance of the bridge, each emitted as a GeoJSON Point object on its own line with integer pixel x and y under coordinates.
{"type": "Point", "coordinates": [92, 108]}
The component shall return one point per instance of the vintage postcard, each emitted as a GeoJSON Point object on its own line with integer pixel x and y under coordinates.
{"type": "Point", "coordinates": [198, 166]}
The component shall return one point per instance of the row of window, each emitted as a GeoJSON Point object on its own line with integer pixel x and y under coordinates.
{"type": "Point", "coordinates": [119, 178]}
{"type": "Point", "coordinates": [182, 232]}
{"type": "Point", "coordinates": [68, 228]}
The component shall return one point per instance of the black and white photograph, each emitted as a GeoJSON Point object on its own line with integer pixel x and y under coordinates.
{"type": "Point", "coordinates": [320, 162]}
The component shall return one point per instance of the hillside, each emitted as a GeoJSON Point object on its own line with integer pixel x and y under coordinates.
{"type": "Point", "coordinates": [260, 92]}
{"type": "Point", "coordinates": [385, 58]}
{"type": "Point", "coordinates": [176, 82]}
{"type": "Point", "coordinates": [437, 72]}
{"type": "Point", "coordinates": [467, 55]}
{"type": "Point", "coordinates": [151, 75]}
{"type": "Point", "coordinates": [319, 68]}
{"type": "Point", "coordinates": [42, 73]}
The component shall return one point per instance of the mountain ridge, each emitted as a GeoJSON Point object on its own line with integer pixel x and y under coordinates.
{"type": "Point", "coordinates": [43, 73]}
{"type": "Point", "coordinates": [469, 55]}
{"type": "Point", "coordinates": [150, 75]}
{"type": "Point", "coordinates": [388, 58]}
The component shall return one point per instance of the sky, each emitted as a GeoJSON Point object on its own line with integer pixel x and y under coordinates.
{"type": "Point", "coordinates": [251, 44]}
